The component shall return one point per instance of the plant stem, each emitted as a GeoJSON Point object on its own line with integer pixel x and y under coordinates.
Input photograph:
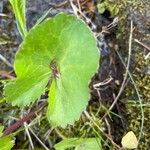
{"type": "Point", "coordinates": [21, 121]}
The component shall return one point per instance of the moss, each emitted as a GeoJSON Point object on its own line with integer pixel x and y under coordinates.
{"type": "Point", "coordinates": [142, 81]}
{"type": "Point", "coordinates": [110, 6]}
{"type": "Point", "coordinates": [84, 128]}
{"type": "Point", "coordinates": [137, 10]}
{"type": "Point", "coordinates": [134, 116]}
{"type": "Point", "coordinates": [117, 7]}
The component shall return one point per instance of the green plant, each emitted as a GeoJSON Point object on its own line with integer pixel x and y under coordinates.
{"type": "Point", "coordinates": [4, 140]}
{"type": "Point", "coordinates": [79, 144]}
{"type": "Point", "coordinates": [59, 54]}
{"type": "Point", "coordinates": [19, 10]}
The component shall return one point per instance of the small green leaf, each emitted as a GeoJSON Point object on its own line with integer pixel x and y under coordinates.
{"type": "Point", "coordinates": [6, 143]}
{"type": "Point", "coordinates": [64, 47]}
{"type": "Point", "coordinates": [19, 10]}
{"type": "Point", "coordinates": [129, 141]}
{"type": "Point", "coordinates": [1, 129]}
{"type": "Point", "coordinates": [79, 144]}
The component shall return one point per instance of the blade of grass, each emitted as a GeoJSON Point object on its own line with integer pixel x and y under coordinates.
{"type": "Point", "coordinates": [126, 73]}
{"type": "Point", "coordinates": [19, 8]}
{"type": "Point", "coordinates": [43, 17]}
{"type": "Point", "coordinates": [99, 128]}
{"type": "Point", "coordinates": [138, 95]}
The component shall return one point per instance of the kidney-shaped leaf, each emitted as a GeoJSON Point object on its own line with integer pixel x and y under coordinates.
{"type": "Point", "coordinates": [64, 46]}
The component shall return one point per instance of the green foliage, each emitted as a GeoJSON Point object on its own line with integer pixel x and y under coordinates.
{"type": "Point", "coordinates": [79, 144]}
{"type": "Point", "coordinates": [6, 143]}
{"type": "Point", "coordinates": [63, 51]}
{"type": "Point", "coordinates": [19, 10]}
{"type": "Point", "coordinates": [1, 130]}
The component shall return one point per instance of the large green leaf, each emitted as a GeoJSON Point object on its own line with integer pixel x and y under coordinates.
{"type": "Point", "coordinates": [69, 43]}
{"type": "Point", "coordinates": [79, 144]}
{"type": "Point", "coordinates": [19, 10]}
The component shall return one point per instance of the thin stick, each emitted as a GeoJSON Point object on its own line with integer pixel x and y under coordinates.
{"type": "Point", "coordinates": [38, 139]}
{"type": "Point", "coordinates": [139, 98]}
{"type": "Point", "coordinates": [3, 15]}
{"type": "Point", "coordinates": [58, 5]}
{"type": "Point", "coordinates": [6, 61]}
{"type": "Point", "coordinates": [28, 134]}
{"type": "Point", "coordinates": [6, 75]}
{"type": "Point", "coordinates": [18, 123]}
{"type": "Point", "coordinates": [59, 133]}
{"type": "Point", "coordinates": [91, 119]}
{"type": "Point", "coordinates": [21, 121]}
{"type": "Point", "coordinates": [126, 73]}
{"type": "Point", "coordinates": [145, 46]}
{"type": "Point", "coordinates": [76, 10]}
{"type": "Point", "coordinates": [79, 6]}
{"type": "Point", "coordinates": [105, 82]}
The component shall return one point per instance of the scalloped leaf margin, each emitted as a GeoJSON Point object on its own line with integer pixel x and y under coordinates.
{"type": "Point", "coordinates": [70, 43]}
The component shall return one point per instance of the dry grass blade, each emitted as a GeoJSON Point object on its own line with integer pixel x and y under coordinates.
{"type": "Point", "coordinates": [78, 9]}
{"type": "Point", "coordinates": [91, 119]}
{"type": "Point", "coordinates": [126, 73]}
{"type": "Point", "coordinates": [142, 44]}
{"type": "Point", "coordinates": [139, 98]}
{"type": "Point", "coordinates": [45, 147]}
{"type": "Point", "coordinates": [6, 61]}
{"type": "Point", "coordinates": [28, 134]}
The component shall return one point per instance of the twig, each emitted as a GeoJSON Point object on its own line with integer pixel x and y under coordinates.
{"type": "Point", "coordinates": [58, 5]}
{"type": "Point", "coordinates": [105, 29]}
{"type": "Point", "coordinates": [108, 127]}
{"type": "Point", "coordinates": [145, 46]}
{"type": "Point", "coordinates": [142, 44]}
{"type": "Point", "coordinates": [46, 135]}
{"type": "Point", "coordinates": [91, 119]}
{"type": "Point", "coordinates": [79, 6]}
{"type": "Point", "coordinates": [59, 133]}
{"type": "Point", "coordinates": [126, 73]}
{"type": "Point", "coordinates": [105, 82]}
{"type": "Point", "coordinates": [6, 75]}
{"type": "Point", "coordinates": [28, 134]}
{"type": "Point", "coordinates": [3, 15]}
{"type": "Point", "coordinates": [38, 139]}
{"type": "Point", "coordinates": [76, 10]}
{"type": "Point", "coordinates": [20, 122]}
{"type": "Point", "coordinates": [139, 98]}
{"type": "Point", "coordinates": [6, 61]}
{"type": "Point", "coordinates": [147, 56]}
